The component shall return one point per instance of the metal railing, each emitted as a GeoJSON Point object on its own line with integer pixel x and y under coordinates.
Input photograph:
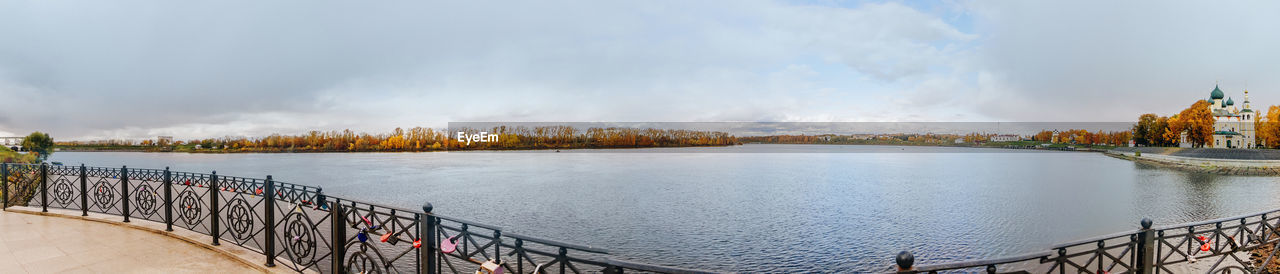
{"type": "Point", "coordinates": [300, 227]}
{"type": "Point", "coordinates": [1224, 245]}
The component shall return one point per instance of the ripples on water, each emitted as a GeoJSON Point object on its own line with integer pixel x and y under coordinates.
{"type": "Point", "coordinates": [790, 208]}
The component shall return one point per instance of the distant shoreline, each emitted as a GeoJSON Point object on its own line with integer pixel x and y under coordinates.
{"type": "Point", "coordinates": [232, 151]}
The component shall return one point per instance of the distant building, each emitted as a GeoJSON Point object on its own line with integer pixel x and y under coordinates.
{"type": "Point", "coordinates": [959, 140]}
{"type": "Point", "coordinates": [1005, 138]}
{"type": "Point", "coordinates": [1232, 127]}
{"type": "Point", "coordinates": [12, 143]}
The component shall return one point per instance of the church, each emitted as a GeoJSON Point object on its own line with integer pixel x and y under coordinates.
{"type": "Point", "coordinates": [1232, 126]}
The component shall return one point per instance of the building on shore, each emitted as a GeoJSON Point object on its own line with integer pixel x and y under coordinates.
{"type": "Point", "coordinates": [13, 143]}
{"type": "Point", "coordinates": [1232, 126]}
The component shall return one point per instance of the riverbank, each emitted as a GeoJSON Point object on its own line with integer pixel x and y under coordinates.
{"type": "Point", "coordinates": [1005, 145]}
{"type": "Point", "coordinates": [1208, 160]}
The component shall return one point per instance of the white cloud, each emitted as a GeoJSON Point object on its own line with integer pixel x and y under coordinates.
{"type": "Point", "coordinates": [134, 70]}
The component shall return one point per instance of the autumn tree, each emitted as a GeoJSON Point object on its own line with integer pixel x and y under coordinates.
{"type": "Point", "coordinates": [1157, 134]}
{"type": "Point", "coordinates": [1268, 128]}
{"type": "Point", "coordinates": [1144, 129]}
{"type": "Point", "coordinates": [1173, 129]}
{"type": "Point", "coordinates": [1196, 121]}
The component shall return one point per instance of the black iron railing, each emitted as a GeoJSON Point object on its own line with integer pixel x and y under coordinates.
{"type": "Point", "coordinates": [300, 227]}
{"type": "Point", "coordinates": [1224, 245]}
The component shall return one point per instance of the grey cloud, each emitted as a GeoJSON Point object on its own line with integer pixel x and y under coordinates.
{"type": "Point", "coordinates": [141, 68]}
{"type": "Point", "coordinates": [1111, 61]}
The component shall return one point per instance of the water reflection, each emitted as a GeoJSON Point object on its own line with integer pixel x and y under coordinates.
{"type": "Point", "coordinates": [795, 210]}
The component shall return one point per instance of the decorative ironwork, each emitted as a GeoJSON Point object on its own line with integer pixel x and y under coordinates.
{"type": "Point", "coordinates": [190, 207]}
{"type": "Point", "coordinates": [360, 260]}
{"type": "Point", "coordinates": [191, 201]}
{"type": "Point", "coordinates": [146, 200]}
{"type": "Point", "coordinates": [240, 219]}
{"type": "Point", "coordinates": [104, 195]}
{"type": "Point", "coordinates": [63, 192]}
{"type": "Point", "coordinates": [314, 232]}
{"type": "Point", "coordinates": [1224, 244]}
{"type": "Point", "coordinates": [300, 237]}
{"type": "Point", "coordinates": [23, 184]}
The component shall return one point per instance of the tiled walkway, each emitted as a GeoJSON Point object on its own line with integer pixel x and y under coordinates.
{"type": "Point", "coordinates": [43, 244]}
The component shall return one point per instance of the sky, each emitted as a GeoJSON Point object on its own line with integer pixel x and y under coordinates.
{"type": "Point", "coordinates": [88, 70]}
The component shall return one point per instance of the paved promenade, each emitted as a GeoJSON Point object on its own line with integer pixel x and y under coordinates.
{"type": "Point", "coordinates": [45, 244]}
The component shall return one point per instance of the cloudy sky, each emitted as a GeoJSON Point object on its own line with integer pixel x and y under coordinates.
{"type": "Point", "coordinates": [93, 70]}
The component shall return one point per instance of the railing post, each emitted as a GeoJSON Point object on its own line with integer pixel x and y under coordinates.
{"type": "Point", "coordinates": [168, 200]}
{"type": "Point", "coordinates": [44, 187]}
{"type": "Point", "coordinates": [519, 256]}
{"type": "Point", "coordinates": [271, 221]}
{"type": "Point", "coordinates": [497, 247]}
{"type": "Point", "coordinates": [213, 207]}
{"type": "Point", "coordinates": [1146, 248]}
{"type": "Point", "coordinates": [905, 262]}
{"type": "Point", "coordinates": [427, 230]}
{"type": "Point", "coordinates": [84, 191]}
{"type": "Point", "coordinates": [339, 229]}
{"type": "Point", "coordinates": [563, 257]}
{"type": "Point", "coordinates": [4, 185]}
{"type": "Point", "coordinates": [124, 192]}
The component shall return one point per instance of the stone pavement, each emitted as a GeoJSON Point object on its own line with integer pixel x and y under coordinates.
{"type": "Point", "coordinates": [45, 244]}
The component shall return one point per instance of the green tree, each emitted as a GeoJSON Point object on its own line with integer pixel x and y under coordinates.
{"type": "Point", "coordinates": [40, 144]}
{"type": "Point", "coordinates": [1144, 129]}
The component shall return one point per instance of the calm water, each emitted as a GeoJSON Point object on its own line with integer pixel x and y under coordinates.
{"type": "Point", "coordinates": [794, 210]}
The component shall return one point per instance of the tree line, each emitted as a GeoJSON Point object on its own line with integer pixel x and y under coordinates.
{"type": "Point", "coordinates": [1084, 137]}
{"type": "Point", "coordinates": [428, 139]}
{"type": "Point", "coordinates": [1195, 121]}
{"type": "Point", "coordinates": [1073, 136]}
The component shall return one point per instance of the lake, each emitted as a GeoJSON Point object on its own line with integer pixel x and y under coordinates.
{"type": "Point", "coordinates": [764, 208]}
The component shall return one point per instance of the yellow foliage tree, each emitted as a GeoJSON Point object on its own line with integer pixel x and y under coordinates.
{"type": "Point", "coordinates": [1268, 127]}
{"type": "Point", "coordinates": [1196, 121]}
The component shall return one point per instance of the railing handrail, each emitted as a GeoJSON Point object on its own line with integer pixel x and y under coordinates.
{"type": "Point", "coordinates": [557, 243]}
{"type": "Point", "coordinates": [982, 262]}
{"type": "Point", "coordinates": [1218, 220]}
{"type": "Point", "coordinates": [1093, 239]}
{"type": "Point", "coordinates": [652, 268]}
